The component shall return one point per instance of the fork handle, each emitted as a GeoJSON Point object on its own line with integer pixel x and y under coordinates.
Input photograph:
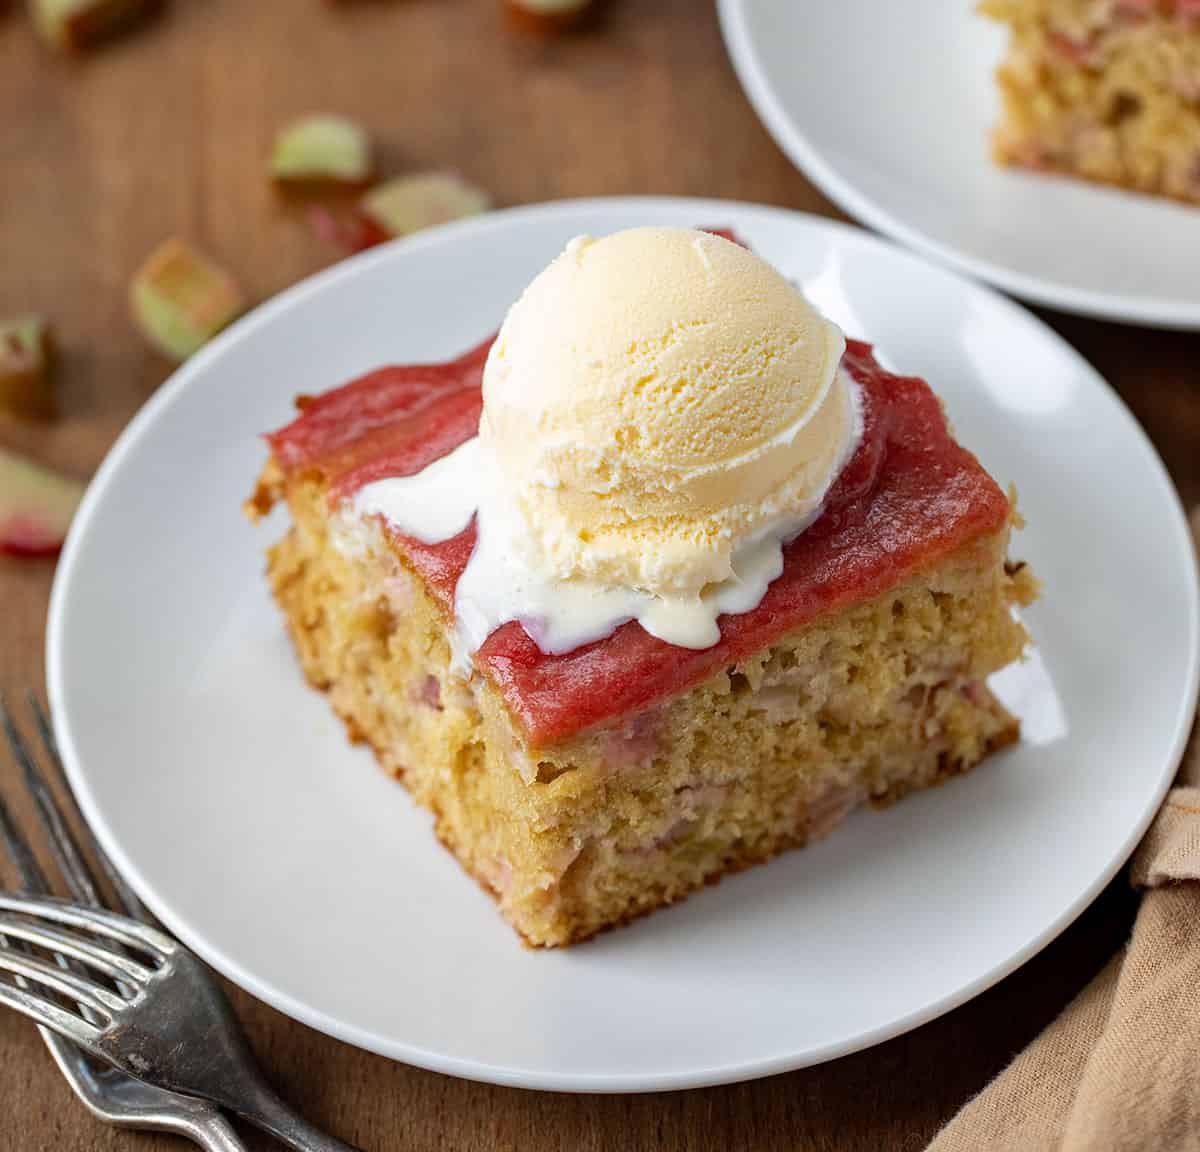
{"type": "Point", "coordinates": [264, 1109]}
{"type": "Point", "coordinates": [186, 1116]}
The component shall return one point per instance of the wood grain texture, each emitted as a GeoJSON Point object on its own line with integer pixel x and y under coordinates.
{"type": "Point", "coordinates": [166, 131]}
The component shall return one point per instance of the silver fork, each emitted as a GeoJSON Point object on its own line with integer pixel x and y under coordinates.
{"type": "Point", "coordinates": [167, 1023]}
{"type": "Point", "coordinates": [109, 1095]}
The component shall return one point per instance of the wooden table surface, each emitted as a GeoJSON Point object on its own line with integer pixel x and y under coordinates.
{"type": "Point", "coordinates": [165, 132]}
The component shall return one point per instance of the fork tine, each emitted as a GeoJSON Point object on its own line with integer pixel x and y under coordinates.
{"type": "Point", "coordinates": [62, 843]}
{"type": "Point", "coordinates": [114, 964]}
{"type": "Point", "coordinates": [125, 895]}
{"type": "Point", "coordinates": [33, 879]}
{"type": "Point", "coordinates": [83, 991]}
{"type": "Point", "coordinates": [74, 1042]}
{"type": "Point", "coordinates": [97, 920]}
{"type": "Point", "coordinates": [51, 1016]}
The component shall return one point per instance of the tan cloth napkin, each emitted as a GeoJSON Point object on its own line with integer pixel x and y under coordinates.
{"type": "Point", "coordinates": [1119, 1070]}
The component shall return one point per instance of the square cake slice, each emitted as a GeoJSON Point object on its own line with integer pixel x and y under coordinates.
{"type": "Point", "coordinates": [1107, 90]}
{"type": "Point", "coordinates": [586, 789]}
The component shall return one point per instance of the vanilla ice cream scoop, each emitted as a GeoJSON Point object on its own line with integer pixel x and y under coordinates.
{"type": "Point", "coordinates": [655, 399]}
{"type": "Point", "coordinates": [662, 411]}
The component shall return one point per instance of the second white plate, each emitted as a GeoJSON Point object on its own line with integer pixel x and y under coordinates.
{"type": "Point", "coordinates": [226, 791]}
{"type": "Point", "coordinates": [887, 108]}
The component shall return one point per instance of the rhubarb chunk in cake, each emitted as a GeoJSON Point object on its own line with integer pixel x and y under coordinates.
{"type": "Point", "coordinates": [660, 620]}
{"type": "Point", "coordinates": [1107, 90]}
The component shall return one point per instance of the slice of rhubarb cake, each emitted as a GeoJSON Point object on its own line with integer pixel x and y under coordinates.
{"type": "Point", "coordinates": [1106, 90]}
{"type": "Point", "coordinates": [591, 784]}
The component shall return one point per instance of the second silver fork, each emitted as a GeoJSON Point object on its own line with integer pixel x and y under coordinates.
{"type": "Point", "coordinates": [111, 1096]}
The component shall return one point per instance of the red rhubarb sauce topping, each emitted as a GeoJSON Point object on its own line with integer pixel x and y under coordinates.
{"type": "Point", "coordinates": [909, 496]}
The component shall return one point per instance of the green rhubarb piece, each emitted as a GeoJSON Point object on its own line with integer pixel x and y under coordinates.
{"type": "Point", "coordinates": [181, 300]}
{"type": "Point", "coordinates": [410, 203]}
{"type": "Point", "coordinates": [73, 25]}
{"type": "Point", "coordinates": [318, 148]}
{"type": "Point", "coordinates": [25, 354]}
{"type": "Point", "coordinates": [36, 507]}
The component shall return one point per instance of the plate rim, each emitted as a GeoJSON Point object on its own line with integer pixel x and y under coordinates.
{"type": "Point", "coordinates": [187, 374]}
{"type": "Point", "coordinates": [1151, 311]}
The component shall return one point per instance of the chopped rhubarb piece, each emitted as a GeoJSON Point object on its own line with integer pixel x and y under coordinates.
{"type": "Point", "coordinates": [75, 25]}
{"type": "Point", "coordinates": [318, 150]}
{"type": "Point", "coordinates": [547, 17]}
{"type": "Point", "coordinates": [411, 203]}
{"type": "Point", "coordinates": [349, 233]}
{"type": "Point", "coordinates": [181, 300]}
{"type": "Point", "coordinates": [398, 208]}
{"type": "Point", "coordinates": [36, 506]}
{"type": "Point", "coordinates": [25, 353]}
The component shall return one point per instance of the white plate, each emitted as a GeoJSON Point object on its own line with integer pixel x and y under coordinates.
{"type": "Point", "coordinates": [887, 108]}
{"type": "Point", "coordinates": [227, 792]}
